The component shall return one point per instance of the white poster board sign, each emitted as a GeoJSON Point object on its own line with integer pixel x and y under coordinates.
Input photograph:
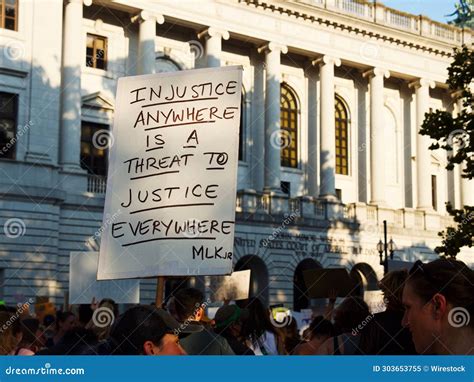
{"type": "Point", "coordinates": [233, 287]}
{"type": "Point", "coordinates": [83, 285]}
{"type": "Point", "coordinates": [172, 174]}
{"type": "Point", "coordinates": [375, 301]}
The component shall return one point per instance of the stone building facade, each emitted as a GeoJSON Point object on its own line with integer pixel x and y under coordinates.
{"type": "Point", "coordinates": [334, 92]}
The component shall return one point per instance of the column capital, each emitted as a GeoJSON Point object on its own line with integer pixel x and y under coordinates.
{"type": "Point", "coordinates": [422, 82]}
{"type": "Point", "coordinates": [214, 32]}
{"type": "Point", "coordinates": [273, 46]}
{"type": "Point", "coordinates": [146, 16]}
{"type": "Point", "coordinates": [374, 72]}
{"type": "Point", "coordinates": [327, 60]}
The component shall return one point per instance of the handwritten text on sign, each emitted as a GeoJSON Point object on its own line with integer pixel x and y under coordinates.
{"type": "Point", "coordinates": [172, 173]}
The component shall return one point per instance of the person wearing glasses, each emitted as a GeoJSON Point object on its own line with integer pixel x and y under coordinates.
{"type": "Point", "coordinates": [439, 307]}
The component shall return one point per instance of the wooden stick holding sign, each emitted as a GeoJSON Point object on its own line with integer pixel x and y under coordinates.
{"type": "Point", "coordinates": [160, 289]}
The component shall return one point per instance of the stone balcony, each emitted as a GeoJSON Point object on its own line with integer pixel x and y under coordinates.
{"type": "Point", "coordinates": [393, 18]}
{"type": "Point", "coordinates": [309, 208]}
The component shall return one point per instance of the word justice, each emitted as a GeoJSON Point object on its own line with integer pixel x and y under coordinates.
{"type": "Point", "coordinates": [178, 194]}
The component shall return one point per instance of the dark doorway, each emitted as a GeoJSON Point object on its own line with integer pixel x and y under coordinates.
{"type": "Point", "coordinates": [300, 299]}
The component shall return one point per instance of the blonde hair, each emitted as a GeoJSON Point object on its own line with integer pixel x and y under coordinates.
{"type": "Point", "coordinates": [392, 288]}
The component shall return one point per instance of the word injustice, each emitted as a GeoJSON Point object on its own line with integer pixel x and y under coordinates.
{"type": "Point", "coordinates": [204, 90]}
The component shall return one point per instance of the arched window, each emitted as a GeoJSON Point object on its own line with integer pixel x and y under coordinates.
{"type": "Point", "coordinates": [342, 139]}
{"type": "Point", "coordinates": [165, 64]}
{"type": "Point", "coordinates": [289, 127]}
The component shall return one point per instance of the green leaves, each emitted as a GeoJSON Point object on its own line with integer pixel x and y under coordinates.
{"type": "Point", "coordinates": [455, 134]}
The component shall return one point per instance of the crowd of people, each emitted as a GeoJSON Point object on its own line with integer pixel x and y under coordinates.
{"type": "Point", "coordinates": [428, 310]}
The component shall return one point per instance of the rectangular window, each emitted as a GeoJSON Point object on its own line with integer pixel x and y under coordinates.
{"type": "Point", "coordinates": [339, 193]}
{"type": "Point", "coordinates": [8, 122]}
{"type": "Point", "coordinates": [286, 187]}
{"type": "Point", "coordinates": [94, 148]}
{"type": "Point", "coordinates": [434, 192]}
{"type": "Point", "coordinates": [9, 14]}
{"type": "Point", "coordinates": [96, 52]}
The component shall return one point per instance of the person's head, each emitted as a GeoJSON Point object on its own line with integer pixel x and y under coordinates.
{"type": "Point", "coordinates": [321, 329]}
{"type": "Point", "coordinates": [8, 338]}
{"type": "Point", "coordinates": [49, 321]}
{"type": "Point", "coordinates": [76, 341]}
{"type": "Point", "coordinates": [351, 313]}
{"type": "Point", "coordinates": [228, 320]}
{"type": "Point", "coordinates": [188, 304]}
{"type": "Point", "coordinates": [392, 289]}
{"type": "Point", "coordinates": [33, 338]}
{"type": "Point", "coordinates": [439, 304]}
{"type": "Point", "coordinates": [65, 321]}
{"type": "Point", "coordinates": [84, 314]}
{"type": "Point", "coordinates": [146, 330]}
{"type": "Point", "coordinates": [110, 304]}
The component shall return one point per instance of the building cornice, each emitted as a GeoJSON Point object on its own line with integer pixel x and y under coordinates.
{"type": "Point", "coordinates": [359, 26]}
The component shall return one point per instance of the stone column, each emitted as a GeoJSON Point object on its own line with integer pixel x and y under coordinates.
{"type": "Point", "coordinates": [327, 187]}
{"type": "Point", "coordinates": [313, 189]}
{"type": "Point", "coordinates": [213, 38]}
{"type": "Point", "coordinates": [146, 41]}
{"type": "Point", "coordinates": [272, 115]}
{"type": "Point", "coordinates": [70, 143]}
{"type": "Point", "coordinates": [423, 154]}
{"type": "Point", "coordinates": [377, 144]}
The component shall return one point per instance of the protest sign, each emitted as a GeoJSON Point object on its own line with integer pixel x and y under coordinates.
{"type": "Point", "coordinates": [319, 282]}
{"type": "Point", "coordinates": [83, 284]}
{"type": "Point", "coordinates": [233, 287]}
{"type": "Point", "coordinates": [172, 175]}
{"type": "Point", "coordinates": [375, 301]}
